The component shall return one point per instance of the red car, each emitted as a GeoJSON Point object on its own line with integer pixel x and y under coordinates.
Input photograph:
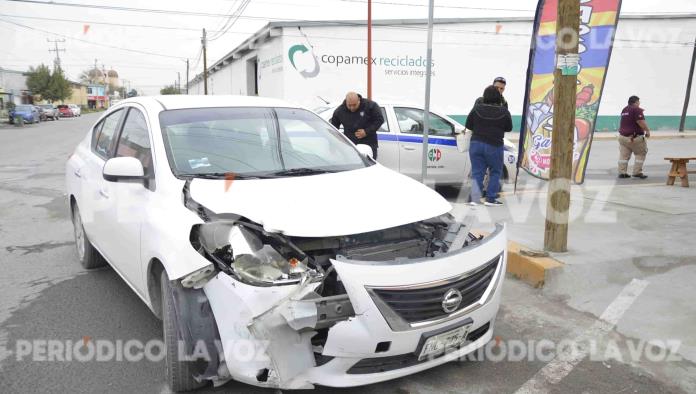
{"type": "Point", "coordinates": [65, 111]}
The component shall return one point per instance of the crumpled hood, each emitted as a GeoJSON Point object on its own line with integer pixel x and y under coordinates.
{"type": "Point", "coordinates": [349, 202]}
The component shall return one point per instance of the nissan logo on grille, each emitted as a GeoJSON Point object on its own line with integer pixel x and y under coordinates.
{"type": "Point", "coordinates": [451, 300]}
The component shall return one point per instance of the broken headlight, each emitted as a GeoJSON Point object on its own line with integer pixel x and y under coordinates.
{"type": "Point", "coordinates": [243, 253]}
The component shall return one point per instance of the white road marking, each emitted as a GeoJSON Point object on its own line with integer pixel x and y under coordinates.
{"type": "Point", "coordinates": [569, 357]}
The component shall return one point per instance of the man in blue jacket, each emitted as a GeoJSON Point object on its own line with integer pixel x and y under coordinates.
{"type": "Point", "coordinates": [361, 118]}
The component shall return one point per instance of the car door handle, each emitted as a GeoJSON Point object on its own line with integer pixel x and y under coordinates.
{"type": "Point", "coordinates": [77, 173]}
{"type": "Point", "coordinates": [103, 193]}
{"type": "Point", "coordinates": [406, 147]}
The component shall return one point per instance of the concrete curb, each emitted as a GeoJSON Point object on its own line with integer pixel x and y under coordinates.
{"type": "Point", "coordinates": [529, 269]}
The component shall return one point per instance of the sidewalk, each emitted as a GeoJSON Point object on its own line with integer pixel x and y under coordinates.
{"type": "Point", "coordinates": [619, 230]}
{"type": "Point", "coordinates": [604, 135]}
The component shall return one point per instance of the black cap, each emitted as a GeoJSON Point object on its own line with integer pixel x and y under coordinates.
{"type": "Point", "coordinates": [501, 80]}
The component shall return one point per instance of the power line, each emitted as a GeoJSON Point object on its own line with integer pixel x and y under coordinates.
{"type": "Point", "coordinates": [232, 20]}
{"type": "Point", "coordinates": [439, 6]}
{"type": "Point", "coordinates": [343, 23]}
{"type": "Point", "coordinates": [144, 10]}
{"type": "Point", "coordinates": [114, 24]}
{"type": "Point", "coordinates": [91, 42]}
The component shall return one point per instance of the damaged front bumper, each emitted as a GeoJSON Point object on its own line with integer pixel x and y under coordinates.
{"type": "Point", "coordinates": [379, 330]}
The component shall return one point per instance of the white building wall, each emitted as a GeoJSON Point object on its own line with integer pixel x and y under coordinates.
{"type": "Point", "coordinates": [651, 59]}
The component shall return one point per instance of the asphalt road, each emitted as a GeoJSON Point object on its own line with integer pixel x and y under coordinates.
{"type": "Point", "coordinates": [47, 296]}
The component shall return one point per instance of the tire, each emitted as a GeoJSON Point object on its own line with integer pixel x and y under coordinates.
{"type": "Point", "coordinates": [178, 374]}
{"type": "Point", "coordinates": [89, 256]}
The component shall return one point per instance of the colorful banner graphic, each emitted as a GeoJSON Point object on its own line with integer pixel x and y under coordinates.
{"type": "Point", "coordinates": [598, 19]}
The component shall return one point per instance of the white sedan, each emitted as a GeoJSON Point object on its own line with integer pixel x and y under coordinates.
{"type": "Point", "coordinates": [401, 141]}
{"type": "Point", "coordinates": [76, 109]}
{"type": "Point", "coordinates": [275, 252]}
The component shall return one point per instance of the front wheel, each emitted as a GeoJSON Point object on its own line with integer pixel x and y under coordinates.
{"type": "Point", "coordinates": [178, 372]}
{"type": "Point", "coordinates": [88, 255]}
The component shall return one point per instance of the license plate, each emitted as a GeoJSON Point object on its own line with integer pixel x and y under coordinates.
{"type": "Point", "coordinates": [444, 342]}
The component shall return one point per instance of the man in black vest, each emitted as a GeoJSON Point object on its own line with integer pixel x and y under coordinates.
{"type": "Point", "coordinates": [361, 118]}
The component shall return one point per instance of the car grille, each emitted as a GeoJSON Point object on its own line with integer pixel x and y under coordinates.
{"type": "Point", "coordinates": [425, 304]}
{"type": "Point", "coordinates": [391, 363]}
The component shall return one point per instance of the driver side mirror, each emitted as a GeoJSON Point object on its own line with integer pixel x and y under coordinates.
{"type": "Point", "coordinates": [123, 169]}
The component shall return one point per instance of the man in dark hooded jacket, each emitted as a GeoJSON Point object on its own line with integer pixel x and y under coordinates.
{"type": "Point", "coordinates": [488, 121]}
{"type": "Point", "coordinates": [361, 118]}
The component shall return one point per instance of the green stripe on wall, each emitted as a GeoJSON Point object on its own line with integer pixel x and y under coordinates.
{"type": "Point", "coordinates": [611, 123]}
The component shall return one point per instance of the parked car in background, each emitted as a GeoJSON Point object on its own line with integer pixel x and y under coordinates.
{"type": "Point", "coordinates": [28, 112]}
{"type": "Point", "coordinates": [42, 114]}
{"type": "Point", "coordinates": [401, 140]}
{"type": "Point", "coordinates": [50, 111]}
{"type": "Point", "coordinates": [319, 292]}
{"type": "Point", "coordinates": [65, 111]}
{"type": "Point", "coordinates": [76, 110]}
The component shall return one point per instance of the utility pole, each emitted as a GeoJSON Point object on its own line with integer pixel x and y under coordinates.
{"type": "Point", "coordinates": [187, 76]}
{"type": "Point", "coordinates": [565, 91]}
{"type": "Point", "coordinates": [428, 70]}
{"type": "Point", "coordinates": [205, 65]}
{"type": "Point", "coordinates": [178, 82]}
{"type": "Point", "coordinates": [688, 90]}
{"type": "Point", "coordinates": [369, 49]}
{"type": "Point", "coordinates": [56, 62]}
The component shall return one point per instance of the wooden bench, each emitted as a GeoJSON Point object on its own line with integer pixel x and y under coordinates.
{"type": "Point", "coordinates": [679, 170]}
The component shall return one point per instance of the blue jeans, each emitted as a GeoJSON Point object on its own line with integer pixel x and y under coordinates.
{"type": "Point", "coordinates": [485, 157]}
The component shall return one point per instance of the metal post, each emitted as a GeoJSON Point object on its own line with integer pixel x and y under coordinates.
{"type": "Point", "coordinates": [428, 69]}
{"type": "Point", "coordinates": [682, 123]}
{"type": "Point", "coordinates": [187, 76]}
{"type": "Point", "coordinates": [205, 66]}
{"type": "Point", "coordinates": [565, 90]}
{"type": "Point", "coordinates": [369, 49]}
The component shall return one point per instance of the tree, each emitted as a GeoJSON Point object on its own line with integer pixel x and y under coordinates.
{"type": "Point", "coordinates": [50, 86]}
{"type": "Point", "coordinates": [38, 79]}
{"type": "Point", "coordinates": [170, 89]}
{"type": "Point", "coordinates": [59, 87]}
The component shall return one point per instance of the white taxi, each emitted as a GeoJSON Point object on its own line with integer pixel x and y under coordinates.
{"type": "Point", "coordinates": [401, 144]}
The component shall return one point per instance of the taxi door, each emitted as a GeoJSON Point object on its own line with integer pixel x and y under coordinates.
{"type": "Point", "coordinates": [388, 145]}
{"type": "Point", "coordinates": [446, 165]}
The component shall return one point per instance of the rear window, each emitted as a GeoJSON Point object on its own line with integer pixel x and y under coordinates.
{"type": "Point", "coordinates": [23, 107]}
{"type": "Point", "coordinates": [62, 106]}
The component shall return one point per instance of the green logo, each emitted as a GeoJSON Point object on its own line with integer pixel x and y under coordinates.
{"type": "Point", "coordinates": [303, 49]}
{"type": "Point", "coordinates": [434, 154]}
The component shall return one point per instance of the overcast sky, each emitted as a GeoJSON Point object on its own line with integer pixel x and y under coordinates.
{"type": "Point", "coordinates": [160, 42]}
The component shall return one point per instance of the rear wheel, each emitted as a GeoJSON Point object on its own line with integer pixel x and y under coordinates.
{"type": "Point", "coordinates": [88, 255]}
{"type": "Point", "coordinates": [178, 372]}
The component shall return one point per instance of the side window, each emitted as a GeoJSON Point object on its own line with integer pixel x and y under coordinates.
{"type": "Point", "coordinates": [106, 135]}
{"type": "Point", "coordinates": [95, 135]}
{"type": "Point", "coordinates": [384, 128]}
{"type": "Point", "coordinates": [411, 122]}
{"type": "Point", "coordinates": [135, 140]}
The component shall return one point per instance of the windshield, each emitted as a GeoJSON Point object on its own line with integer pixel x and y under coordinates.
{"type": "Point", "coordinates": [23, 108]}
{"type": "Point", "coordinates": [254, 142]}
{"type": "Point", "coordinates": [47, 106]}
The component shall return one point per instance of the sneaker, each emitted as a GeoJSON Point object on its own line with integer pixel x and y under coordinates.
{"type": "Point", "coordinates": [623, 176]}
{"type": "Point", "coordinates": [494, 203]}
{"type": "Point", "coordinates": [474, 203]}
{"type": "Point", "coordinates": [641, 176]}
